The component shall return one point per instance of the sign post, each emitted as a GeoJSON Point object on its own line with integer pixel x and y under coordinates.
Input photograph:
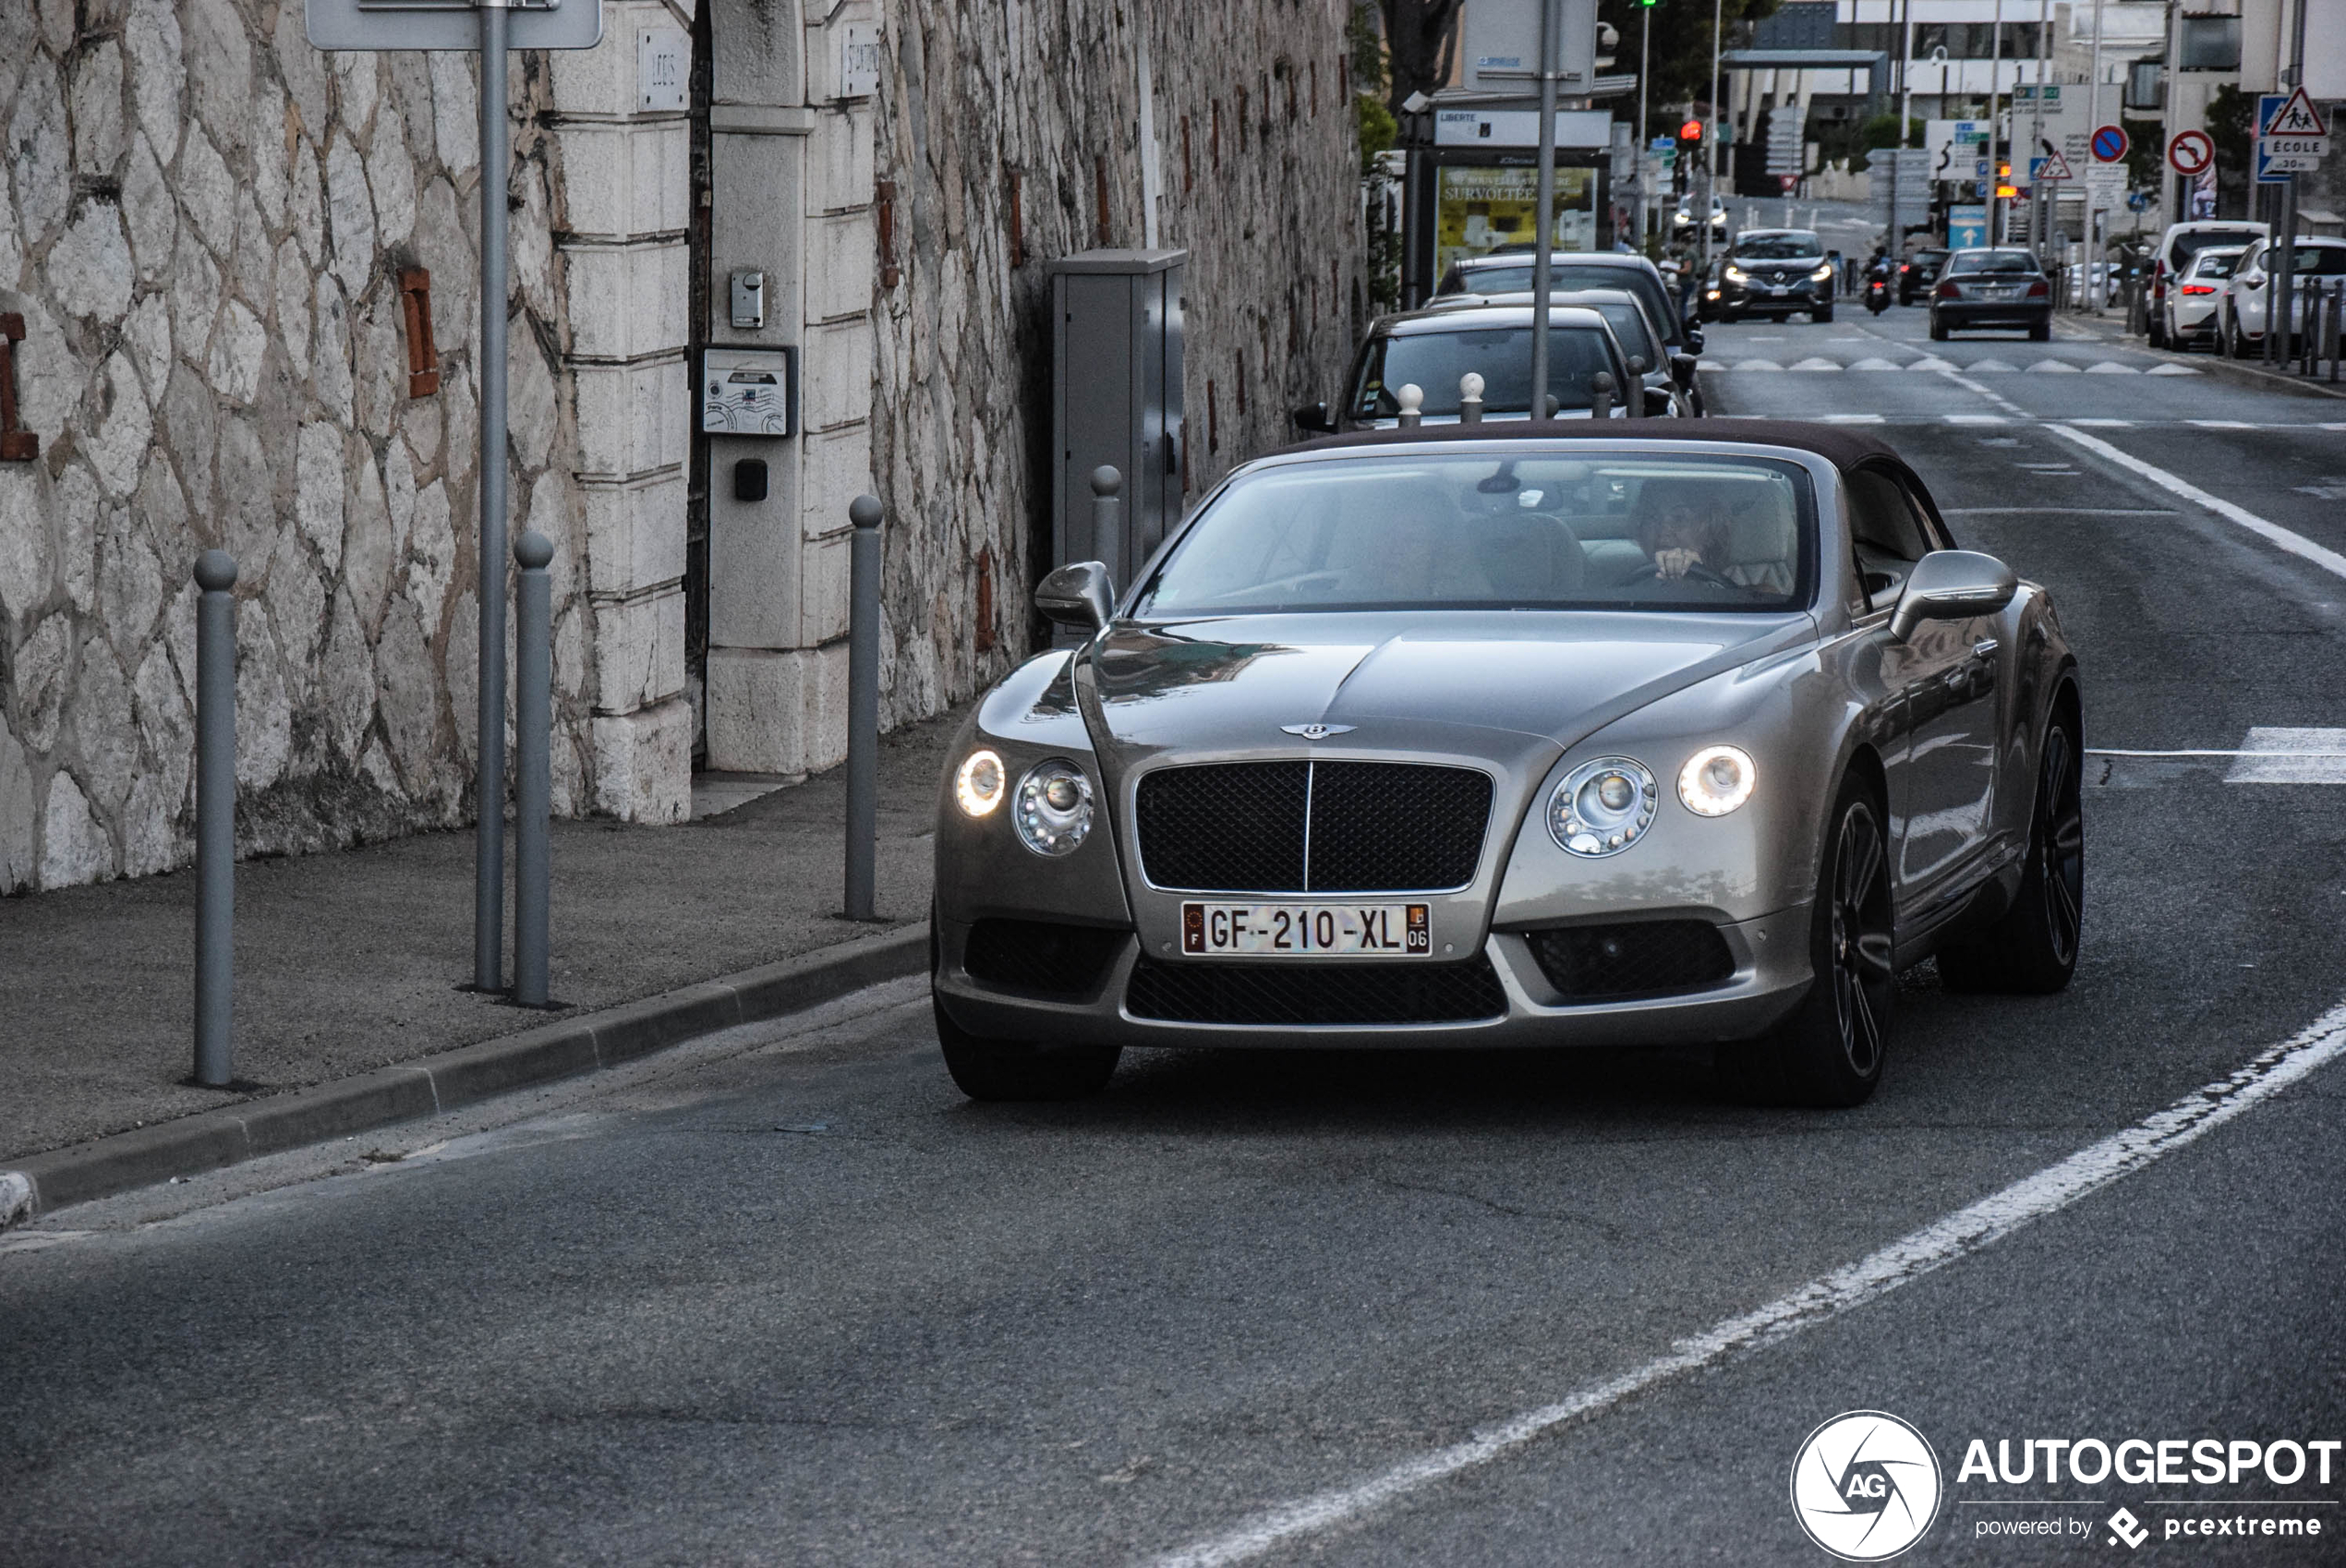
{"type": "Point", "coordinates": [493, 27]}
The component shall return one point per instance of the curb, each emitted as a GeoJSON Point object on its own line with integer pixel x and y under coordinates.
{"type": "Point", "coordinates": [2216, 365]}
{"type": "Point", "coordinates": [404, 1091]}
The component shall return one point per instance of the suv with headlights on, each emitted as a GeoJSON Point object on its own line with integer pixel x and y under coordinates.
{"type": "Point", "coordinates": [1773, 272]}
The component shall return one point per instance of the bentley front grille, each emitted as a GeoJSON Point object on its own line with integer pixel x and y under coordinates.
{"type": "Point", "coordinates": [1312, 826]}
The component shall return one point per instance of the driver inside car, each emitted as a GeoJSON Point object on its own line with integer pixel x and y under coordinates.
{"type": "Point", "coordinates": [1678, 538]}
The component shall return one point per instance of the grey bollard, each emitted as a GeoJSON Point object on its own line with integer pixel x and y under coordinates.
{"type": "Point", "coordinates": [862, 709]}
{"type": "Point", "coordinates": [489, 773]}
{"type": "Point", "coordinates": [1471, 399]}
{"type": "Point", "coordinates": [533, 765]}
{"type": "Point", "coordinates": [1601, 395]}
{"type": "Point", "coordinates": [1411, 397]}
{"type": "Point", "coordinates": [1107, 511]}
{"type": "Point", "coordinates": [216, 818]}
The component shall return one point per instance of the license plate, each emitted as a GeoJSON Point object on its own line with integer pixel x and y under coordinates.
{"type": "Point", "coordinates": [1778, 288]}
{"type": "Point", "coordinates": [1391, 931]}
{"type": "Point", "coordinates": [1997, 293]}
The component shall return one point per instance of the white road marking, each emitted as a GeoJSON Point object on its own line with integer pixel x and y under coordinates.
{"type": "Point", "coordinates": [2105, 424]}
{"type": "Point", "coordinates": [2112, 367]}
{"type": "Point", "coordinates": [1932, 362]}
{"type": "Point", "coordinates": [2061, 367]}
{"type": "Point", "coordinates": [1943, 1241]}
{"type": "Point", "coordinates": [1989, 367]}
{"type": "Point", "coordinates": [2275, 755]}
{"type": "Point", "coordinates": [2294, 543]}
{"type": "Point", "coordinates": [1818, 363]}
{"type": "Point", "coordinates": [1875, 364]}
{"type": "Point", "coordinates": [2222, 424]}
{"type": "Point", "coordinates": [1757, 365]}
{"type": "Point", "coordinates": [2058, 510]}
{"type": "Point", "coordinates": [1853, 419]}
{"type": "Point", "coordinates": [2172, 369]}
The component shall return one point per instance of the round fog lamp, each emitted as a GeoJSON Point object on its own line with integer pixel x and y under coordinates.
{"type": "Point", "coordinates": [977, 785]}
{"type": "Point", "coordinates": [1717, 779]}
{"type": "Point", "coordinates": [1602, 807]}
{"type": "Point", "coordinates": [1053, 810]}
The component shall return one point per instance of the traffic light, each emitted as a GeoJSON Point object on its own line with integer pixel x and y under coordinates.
{"type": "Point", "coordinates": [1690, 131]}
{"type": "Point", "coordinates": [2004, 187]}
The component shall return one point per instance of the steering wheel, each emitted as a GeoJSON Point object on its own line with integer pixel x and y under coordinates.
{"type": "Point", "coordinates": [1698, 572]}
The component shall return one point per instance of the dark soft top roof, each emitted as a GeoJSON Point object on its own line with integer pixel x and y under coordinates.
{"type": "Point", "coordinates": [1841, 445]}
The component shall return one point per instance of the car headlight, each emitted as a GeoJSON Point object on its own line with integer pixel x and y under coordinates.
{"type": "Point", "coordinates": [1053, 810]}
{"type": "Point", "coordinates": [977, 784]}
{"type": "Point", "coordinates": [1822, 273]}
{"type": "Point", "coordinates": [1717, 779]}
{"type": "Point", "coordinates": [1735, 274]}
{"type": "Point", "coordinates": [1602, 807]}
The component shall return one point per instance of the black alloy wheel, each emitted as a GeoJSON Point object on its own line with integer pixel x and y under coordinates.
{"type": "Point", "coordinates": [1829, 1050]}
{"type": "Point", "coordinates": [2033, 948]}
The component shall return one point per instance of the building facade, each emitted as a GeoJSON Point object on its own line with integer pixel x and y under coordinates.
{"type": "Point", "coordinates": [226, 248]}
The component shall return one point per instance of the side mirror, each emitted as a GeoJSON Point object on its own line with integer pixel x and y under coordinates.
{"type": "Point", "coordinates": [1315, 419]}
{"type": "Point", "coordinates": [1078, 594]}
{"type": "Point", "coordinates": [1951, 585]}
{"type": "Point", "coordinates": [1658, 403]}
{"type": "Point", "coordinates": [1682, 370]}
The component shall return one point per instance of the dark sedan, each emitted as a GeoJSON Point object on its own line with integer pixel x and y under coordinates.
{"type": "Point", "coordinates": [1917, 273]}
{"type": "Point", "coordinates": [1992, 288]}
{"type": "Point", "coordinates": [1773, 272]}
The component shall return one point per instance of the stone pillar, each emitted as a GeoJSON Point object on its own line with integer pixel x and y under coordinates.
{"type": "Point", "coordinates": [792, 186]}
{"type": "Point", "coordinates": [623, 251]}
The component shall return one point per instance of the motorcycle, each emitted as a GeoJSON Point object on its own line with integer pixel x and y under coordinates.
{"type": "Point", "coordinates": [1878, 293]}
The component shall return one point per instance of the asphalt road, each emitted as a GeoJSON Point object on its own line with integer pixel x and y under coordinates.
{"type": "Point", "coordinates": [788, 1299]}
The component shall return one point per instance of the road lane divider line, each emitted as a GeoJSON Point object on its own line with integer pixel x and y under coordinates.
{"type": "Point", "coordinates": [2294, 543]}
{"type": "Point", "coordinates": [1921, 1252]}
{"type": "Point", "coordinates": [1977, 390]}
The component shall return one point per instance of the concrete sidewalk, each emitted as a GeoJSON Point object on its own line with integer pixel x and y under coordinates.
{"type": "Point", "coordinates": [2110, 329]}
{"type": "Point", "coordinates": [353, 960]}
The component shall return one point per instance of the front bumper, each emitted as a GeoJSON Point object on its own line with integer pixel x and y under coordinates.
{"type": "Point", "coordinates": [1750, 299]}
{"type": "Point", "coordinates": [1772, 974]}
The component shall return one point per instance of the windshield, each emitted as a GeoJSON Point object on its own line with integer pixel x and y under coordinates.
{"type": "Point", "coordinates": [1628, 324]}
{"type": "Point", "coordinates": [1992, 262]}
{"type": "Point", "coordinates": [1515, 277]}
{"type": "Point", "coordinates": [1435, 361]}
{"type": "Point", "coordinates": [2216, 264]}
{"type": "Point", "coordinates": [1796, 245]}
{"type": "Point", "coordinates": [1545, 530]}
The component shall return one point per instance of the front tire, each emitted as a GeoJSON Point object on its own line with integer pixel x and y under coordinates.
{"type": "Point", "coordinates": [2033, 949]}
{"type": "Point", "coordinates": [1830, 1051]}
{"type": "Point", "coordinates": [1020, 1069]}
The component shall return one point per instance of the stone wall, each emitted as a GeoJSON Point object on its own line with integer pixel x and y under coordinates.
{"type": "Point", "coordinates": [1259, 169]}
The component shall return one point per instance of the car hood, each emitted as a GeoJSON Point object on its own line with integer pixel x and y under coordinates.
{"type": "Point", "coordinates": [1498, 684]}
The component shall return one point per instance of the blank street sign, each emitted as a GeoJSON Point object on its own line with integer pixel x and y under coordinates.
{"type": "Point", "coordinates": [451, 24]}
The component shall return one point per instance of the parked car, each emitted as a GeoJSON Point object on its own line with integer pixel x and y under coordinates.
{"type": "Point", "coordinates": [1917, 273]}
{"type": "Point", "coordinates": [1517, 735]}
{"type": "Point", "coordinates": [1991, 287]}
{"type": "Point", "coordinates": [1509, 271]}
{"type": "Point", "coordinates": [2195, 298]}
{"type": "Point", "coordinates": [2246, 308]}
{"type": "Point", "coordinates": [1774, 272]}
{"type": "Point", "coordinates": [1434, 350]}
{"type": "Point", "coordinates": [1671, 385]}
{"type": "Point", "coordinates": [2176, 247]}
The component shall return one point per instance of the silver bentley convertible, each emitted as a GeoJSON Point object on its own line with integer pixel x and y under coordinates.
{"type": "Point", "coordinates": [1541, 735]}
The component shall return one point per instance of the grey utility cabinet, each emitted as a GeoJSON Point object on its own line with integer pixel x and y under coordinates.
{"type": "Point", "coordinates": [1116, 399]}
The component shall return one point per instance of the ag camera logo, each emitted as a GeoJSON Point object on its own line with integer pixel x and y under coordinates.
{"type": "Point", "coordinates": [1865, 1486]}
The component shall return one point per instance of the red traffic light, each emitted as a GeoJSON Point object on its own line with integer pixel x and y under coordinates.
{"type": "Point", "coordinates": [1690, 131]}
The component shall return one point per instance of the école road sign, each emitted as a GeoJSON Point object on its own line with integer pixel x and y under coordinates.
{"type": "Point", "coordinates": [2296, 117]}
{"type": "Point", "coordinates": [2190, 152]}
{"type": "Point", "coordinates": [449, 24]}
{"type": "Point", "coordinates": [2109, 144]}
